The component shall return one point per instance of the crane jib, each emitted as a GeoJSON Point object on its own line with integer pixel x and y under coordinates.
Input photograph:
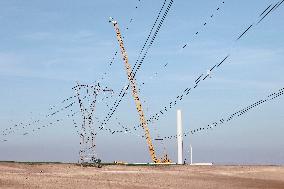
{"type": "Point", "coordinates": [138, 103]}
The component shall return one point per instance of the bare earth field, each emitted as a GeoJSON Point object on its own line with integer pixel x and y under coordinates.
{"type": "Point", "coordinates": [23, 175]}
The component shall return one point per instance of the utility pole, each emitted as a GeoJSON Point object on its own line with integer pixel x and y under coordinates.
{"type": "Point", "coordinates": [190, 154]}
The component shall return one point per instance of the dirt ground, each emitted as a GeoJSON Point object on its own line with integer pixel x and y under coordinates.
{"type": "Point", "coordinates": [22, 175]}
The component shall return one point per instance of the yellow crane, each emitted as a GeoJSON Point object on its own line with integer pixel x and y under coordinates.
{"type": "Point", "coordinates": [143, 120]}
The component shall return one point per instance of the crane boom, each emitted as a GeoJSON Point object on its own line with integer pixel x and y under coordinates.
{"type": "Point", "coordinates": [138, 103]}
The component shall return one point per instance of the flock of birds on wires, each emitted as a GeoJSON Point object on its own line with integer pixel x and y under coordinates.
{"type": "Point", "coordinates": [81, 106]}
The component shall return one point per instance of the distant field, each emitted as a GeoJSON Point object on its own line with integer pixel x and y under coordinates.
{"type": "Point", "coordinates": [57, 175]}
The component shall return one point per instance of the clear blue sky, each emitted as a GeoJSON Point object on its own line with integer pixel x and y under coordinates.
{"type": "Point", "coordinates": [46, 46]}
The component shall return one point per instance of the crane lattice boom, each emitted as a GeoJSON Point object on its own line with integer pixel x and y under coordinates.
{"type": "Point", "coordinates": [138, 103]}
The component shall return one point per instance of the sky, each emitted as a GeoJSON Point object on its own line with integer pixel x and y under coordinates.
{"type": "Point", "coordinates": [48, 46]}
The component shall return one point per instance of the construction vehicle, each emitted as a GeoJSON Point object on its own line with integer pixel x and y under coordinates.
{"type": "Point", "coordinates": [132, 82]}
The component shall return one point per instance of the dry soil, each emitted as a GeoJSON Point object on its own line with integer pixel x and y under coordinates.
{"type": "Point", "coordinates": [23, 175]}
